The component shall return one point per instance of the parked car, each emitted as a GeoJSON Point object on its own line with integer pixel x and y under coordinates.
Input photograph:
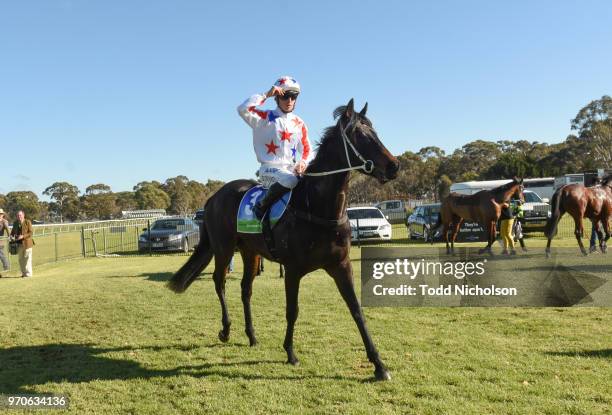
{"type": "Point", "coordinates": [421, 221]}
{"type": "Point", "coordinates": [368, 223]}
{"type": "Point", "coordinates": [393, 210]}
{"type": "Point", "coordinates": [536, 212]}
{"type": "Point", "coordinates": [199, 216]}
{"type": "Point", "coordinates": [173, 234]}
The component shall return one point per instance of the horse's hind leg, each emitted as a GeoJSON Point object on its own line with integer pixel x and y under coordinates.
{"type": "Point", "coordinates": [579, 231]}
{"type": "Point", "coordinates": [251, 266]}
{"type": "Point", "coordinates": [605, 235]}
{"type": "Point", "coordinates": [343, 276]}
{"type": "Point", "coordinates": [222, 261]}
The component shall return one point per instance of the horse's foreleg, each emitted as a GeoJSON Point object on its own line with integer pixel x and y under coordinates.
{"type": "Point", "coordinates": [578, 231]}
{"type": "Point", "coordinates": [251, 266]}
{"type": "Point", "coordinates": [221, 263]}
{"type": "Point", "coordinates": [292, 289]}
{"type": "Point", "coordinates": [455, 229]}
{"type": "Point", "coordinates": [343, 276]}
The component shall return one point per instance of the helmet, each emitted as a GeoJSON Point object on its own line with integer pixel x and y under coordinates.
{"type": "Point", "coordinates": [288, 84]}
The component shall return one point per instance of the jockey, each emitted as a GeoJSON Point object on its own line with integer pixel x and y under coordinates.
{"type": "Point", "coordinates": [279, 138]}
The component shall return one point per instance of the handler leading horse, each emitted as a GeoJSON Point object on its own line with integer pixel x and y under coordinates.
{"type": "Point", "coordinates": [483, 207]}
{"type": "Point", "coordinates": [581, 202]}
{"type": "Point", "coordinates": [313, 233]}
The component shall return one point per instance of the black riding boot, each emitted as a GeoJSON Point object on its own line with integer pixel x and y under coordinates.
{"type": "Point", "coordinates": [275, 192]}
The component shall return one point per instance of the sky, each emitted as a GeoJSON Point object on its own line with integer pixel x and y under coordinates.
{"type": "Point", "coordinates": [119, 92]}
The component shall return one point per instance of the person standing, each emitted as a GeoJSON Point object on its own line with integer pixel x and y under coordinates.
{"type": "Point", "coordinates": [22, 233]}
{"type": "Point", "coordinates": [517, 229]}
{"type": "Point", "coordinates": [4, 229]}
{"type": "Point", "coordinates": [507, 219]}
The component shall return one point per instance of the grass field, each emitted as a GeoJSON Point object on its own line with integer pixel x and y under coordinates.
{"type": "Point", "coordinates": [107, 333]}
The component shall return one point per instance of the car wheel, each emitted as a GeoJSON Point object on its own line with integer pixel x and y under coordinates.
{"type": "Point", "coordinates": [185, 245]}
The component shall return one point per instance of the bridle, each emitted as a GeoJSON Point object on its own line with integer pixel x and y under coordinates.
{"type": "Point", "coordinates": [367, 166]}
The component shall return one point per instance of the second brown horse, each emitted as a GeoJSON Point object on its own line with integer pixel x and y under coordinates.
{"type": "Point", "coordinates": [483, 207]}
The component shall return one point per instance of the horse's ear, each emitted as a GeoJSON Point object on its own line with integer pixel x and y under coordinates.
{"type": "Point", "coordinates": [364, 110]}
{"type": "Point", "coordinates": [349, 112]}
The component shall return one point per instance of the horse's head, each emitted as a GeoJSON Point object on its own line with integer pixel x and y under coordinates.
{"type": "Point", "coordinates": [362, 145]}
{"type": "Point", "coordinates": [517, 185]}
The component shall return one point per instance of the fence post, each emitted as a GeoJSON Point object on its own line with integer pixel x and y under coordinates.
{"type": "Point", "coordinates": [122, 237]}
{"type": "Point", "coordinates": [104, 237]}
{"type": "Point", "coordinates": [149, 237]}
{"type": "Point", "coordinates": [358, 238]}
{"type": "Point", "coordinates": [56, 247]}
{"type": "Point", "coordinates": [83, 241]}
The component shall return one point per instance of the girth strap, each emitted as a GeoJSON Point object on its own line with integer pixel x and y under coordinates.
{"type": "Point", "coordinates": [317, 220]}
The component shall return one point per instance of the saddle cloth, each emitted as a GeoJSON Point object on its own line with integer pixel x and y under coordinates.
{"type": "Point", "coordinates": [247, 222]}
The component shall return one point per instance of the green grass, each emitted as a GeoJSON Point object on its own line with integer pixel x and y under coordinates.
{"type": "Point", "coordinates": [107, 333]}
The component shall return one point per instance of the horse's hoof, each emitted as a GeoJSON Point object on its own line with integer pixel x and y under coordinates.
{"type": "Point", "coordinates": [223, 337]}
{"type": "Point", "coordinates": [253, 342]}
{"type": "Point", "coordinates": [547, 254]}
{"type": "Point", "coordinates": [584, 252]}
{"type": "Point", "coordinates": [382, 374]}
{"type": "Point", "coordinates": [293, 361]}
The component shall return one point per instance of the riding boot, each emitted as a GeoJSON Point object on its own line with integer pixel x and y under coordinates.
{"type": "Point", "coordinates": [275, 192]}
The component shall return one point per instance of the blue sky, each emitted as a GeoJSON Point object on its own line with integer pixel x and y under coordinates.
{"type": "Point", "coordinates": [119, 92]}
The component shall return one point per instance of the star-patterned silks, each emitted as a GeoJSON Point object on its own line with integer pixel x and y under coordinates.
{"type": "Point", "coordinates": [272, 116]}
{"type": "Point", "coordinates": [272, 147]}
{"type": "Point", "coordinates": [285, 135]}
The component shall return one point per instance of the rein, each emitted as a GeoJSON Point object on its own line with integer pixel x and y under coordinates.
{"type": "Point", "coordinates": [367, 166]}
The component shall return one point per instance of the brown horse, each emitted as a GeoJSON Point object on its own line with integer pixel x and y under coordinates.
{"type": "Point", "coordinates": [314, 233]}
{"type": "Point", "coordinates": [581, 202]}
{"type": "Point", "coordinates": [483, 207]}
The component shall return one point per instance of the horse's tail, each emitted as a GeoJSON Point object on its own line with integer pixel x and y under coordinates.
{"type": "Point", "coordinates": [555, 207]}
{"type": "Point", "coordinates": [197, 262]}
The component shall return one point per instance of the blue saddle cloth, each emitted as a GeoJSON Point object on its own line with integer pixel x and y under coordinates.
{"type": "Point", "coordinates": [247, 221]}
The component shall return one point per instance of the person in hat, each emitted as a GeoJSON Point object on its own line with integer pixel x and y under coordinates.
{"type": "Point", "coordinates": [22, 233]}
{"type": "Point", "coordinates": [517, 228]}
{"type": "Point", "coordinates": [280, 140]}
{"type": "Point", "coordinates": [4, 229]}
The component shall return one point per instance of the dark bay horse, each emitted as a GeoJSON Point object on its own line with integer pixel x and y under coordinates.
{"type": "Point", "coordinates": [314, 233]}
{"type": "Point", "coordinates": [483, 207]}
{"type": "Point", "coordinates": [581, 202]}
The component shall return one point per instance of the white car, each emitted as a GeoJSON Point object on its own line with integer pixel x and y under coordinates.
{"type": "Point", "coordinates": [368, 223]}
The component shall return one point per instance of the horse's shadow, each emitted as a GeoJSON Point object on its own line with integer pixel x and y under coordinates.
{"type": "Point", "coordinates": [23, 367]}
{"type": "Point", "coordinates": [602, 353]}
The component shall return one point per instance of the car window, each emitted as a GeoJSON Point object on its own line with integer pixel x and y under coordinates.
{"type": "Point", "coordinates": [393, 205]}
{"type": "Point", "coordinates": [169, 224]}
{"type": "Point", "coordinates": [364, 214]}
{"type": "Point", "coordinates": [532, 198]}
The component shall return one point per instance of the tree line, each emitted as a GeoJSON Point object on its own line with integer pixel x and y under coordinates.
{"type": "Point", "coordinates": [426, 174]}
{"type": "Point", "coordinates": [177, 195]}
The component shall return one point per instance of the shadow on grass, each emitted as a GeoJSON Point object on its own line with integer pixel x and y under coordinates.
{"type": "Point", "coordinates": [602, 353]}
{"type": "Point", "coordinates": [25, 366]}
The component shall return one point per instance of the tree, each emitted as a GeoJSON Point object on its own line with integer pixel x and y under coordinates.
{"type": "Point", "coordinates": [126, 201]}
{"type": "Point", "coordinates": [149, 196]}
{"type": "Point", "coordinates": [99, 202]}
{"type": "Point", "coordinates": [66, 197]}
{"type": "Point", "coordinates": [594, 125]}
{"type": "Point", "coordinates": [23, 200]}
